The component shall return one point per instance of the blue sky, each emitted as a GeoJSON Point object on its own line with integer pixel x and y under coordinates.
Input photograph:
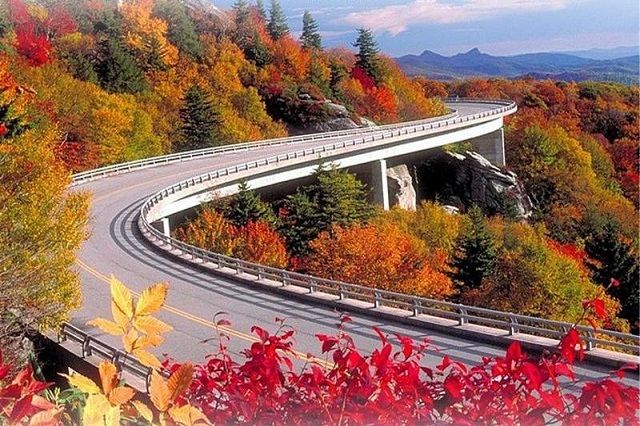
{"type": "Point", "coordinates": [450, 26]}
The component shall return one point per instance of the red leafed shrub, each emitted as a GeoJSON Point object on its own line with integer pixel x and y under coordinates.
{"type": "Point", "coordinates": [392, 385]}
{"type": "Point", "coordinates": [35, 47]}
{"type": "Point", "coordinates": [20, 398]}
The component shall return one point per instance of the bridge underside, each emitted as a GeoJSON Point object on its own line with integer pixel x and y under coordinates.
{"type": "Point", "coordinates": [486, 138]}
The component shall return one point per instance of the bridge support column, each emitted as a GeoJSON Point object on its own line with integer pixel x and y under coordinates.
{"type": "Point", "coordinates": [379, 183]}
{"type": "Point", "coordinates": [491, 147]}
{"type": "Point", "coordinates": [165, 228]}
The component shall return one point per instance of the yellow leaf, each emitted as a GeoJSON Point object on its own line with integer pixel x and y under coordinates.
{"type": "Point", "coordinates": [108, 376]}
{"type": "Point", "coordinates": [159, 392]}
{"type": "Point", "coordinates": [121, 395]}
{"type": "Point", "coordinates": [152, 299]}
{"type": "Point", "coordinates": [129, 340]}
{"type": "Point", "coordinates": [107, 326]}
{"type": "Point", "coordinates": [94, 409]}
{"type": "Point", "coordinates": [144, 411]}
{"type": "Point", "coordinates": [112, 416]}
{"type": "Point", "coordinates": [121, 296]}
{"type": "Point", "coordinates": [152, 340]}
{"type": "Point", "coordinates": [180, 380]}
{"type": "Point", "coordinates": [188, 415]}
{"type": "Point", "coordinates": [82, 383]}
{"type": "Point", "coordinates": [46, 418]}
{"type": "Point", "coordinates": [147, 358]}
{"type": "Point", "coordinates": [150, 325]}
{"type": "Point", "coordinates": [120, 318]}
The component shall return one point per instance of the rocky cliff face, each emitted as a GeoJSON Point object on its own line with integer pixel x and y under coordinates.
{"type": "Point", "coordinates": [332, 117]}
{"type": "Point", "coordinates": [401, 190]}
{"type": "Point", "coordinates": [461, 180]}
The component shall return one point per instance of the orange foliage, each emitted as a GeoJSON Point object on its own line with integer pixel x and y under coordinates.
{"type": "Point", "coordinates": [256, 242]}
{"type": "Point", "coordinates": [379, 256]}
{"type": "Point", "coordinates": [259, 243]}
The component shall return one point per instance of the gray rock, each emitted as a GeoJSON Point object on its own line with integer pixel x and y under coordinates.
{"type": "Point", "coordinates": [401, 190]}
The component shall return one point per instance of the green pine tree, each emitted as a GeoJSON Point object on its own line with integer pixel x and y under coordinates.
{"type": "Point", "coordinates": [117, 69]}
{"type": "Point", "coordinates": [616, 260]}
{"type": "Point", "coordinates": [310, 37]}
{"type": "Point", "coordinates": [475, 251]}
{"type": "Point", "coordinates": [199, 120]}
{"type": "Point", "coordinates": [247, 206]}
{"type": "Point", "coordinates": [367, 56]}
{"type": "Point", "coordinates": [277, 25]}
{"type": "Point", "coordinates": [337, 198]}
{"type": "Point", "coordinates": [182, 32]}
{"type": "Point", "coordinates": [262, 12]}
{"type": "Point", "coordinates": [244, 32]}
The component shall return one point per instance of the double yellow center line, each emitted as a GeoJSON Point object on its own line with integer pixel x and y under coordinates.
{"type": "Point", "coordinates": [209, 324]}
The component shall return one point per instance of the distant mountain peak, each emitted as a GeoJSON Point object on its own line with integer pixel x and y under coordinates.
{"type": "Point", "coordinates": [474, 52]}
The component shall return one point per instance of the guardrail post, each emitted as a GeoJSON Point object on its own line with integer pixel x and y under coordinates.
{"type": "Point", "coordinates": [417, 307]}
{"type": "Point", "coordinates": [312, 287]}
{"type": "Point", "coordinates": [285, 280]}
{"type": "Point", "coordinates": [260, 276]}
{"type": "Point", "coordinates": [86, 346]}
{"type": "Point", "coordinates": [376, 299]}
{"type": "Point", "coordinates": [513, 326]}
{"type": "Point", "coordinates": [341, 294]}
{"type": "Point", "coordinates": [462, 320]}
{"type": "Point", "coordinates": [590, 345]}
{"type": "Point", "coordinates": [237, 265]}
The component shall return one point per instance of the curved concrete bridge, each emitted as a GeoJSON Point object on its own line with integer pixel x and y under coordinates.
{"type": "Point", "coordinates": [131, 204]}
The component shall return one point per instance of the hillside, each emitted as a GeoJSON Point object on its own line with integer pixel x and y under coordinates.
{"type": "Point", "coordinates": [559, 66]}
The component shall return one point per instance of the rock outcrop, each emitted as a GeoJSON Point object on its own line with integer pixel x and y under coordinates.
{"type": "Point", "coordinates": [461, 180]}
{"type": "Point", "coordinates": [401, 190]}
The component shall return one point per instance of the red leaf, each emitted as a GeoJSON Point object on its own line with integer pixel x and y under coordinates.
{"type": "Point", "coordinates": [453, 385]}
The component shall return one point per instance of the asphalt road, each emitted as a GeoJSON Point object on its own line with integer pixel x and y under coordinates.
{"type": "Point", "coordinates": [116, 247]}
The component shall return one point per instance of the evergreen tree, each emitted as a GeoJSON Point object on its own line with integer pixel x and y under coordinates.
{"type": "Point", "coordinates": [82, 68]}
{"type": "Point", "coordinates": [337, 198]}
{"type": "Point", "coordinates": [244, 32]}
{"type": "Point", "coordinates": [262, 12]}
{"type": "Point", "coordinates": [476, 253]}
{"type": "Point", "coordinates": [247, 206]}
{"type": "Point", "coordinates": [182, 32]}
{"type": "Point", "coordinates": [199, 120]}
{"type": "Point", "coordinates": [277, 25]}
{"type": "Point", "coordinates": [616, 260]}
{"type": "Point", "coordinates": [367, 56]}
{"type": "Point", "coordinates": [117, 69]}
{"type": "Point", "coordinates": [310, 37]}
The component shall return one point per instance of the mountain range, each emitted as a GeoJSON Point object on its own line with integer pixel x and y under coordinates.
{"type": "Point", "coordinates": [556, 65]}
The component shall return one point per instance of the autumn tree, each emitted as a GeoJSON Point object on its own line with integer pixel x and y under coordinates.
{"type": "Point", "coordinates": [310, 38]}
{"type": "Point", "coordinates": [381, 257]}
{"type": "Point", "coordinates": [199, 120]}
{"type": "Point", "coordinates": [42, 224]}
{"type": "Point", "coordinates": [367, 56]}
{"type": "Point", "coordinates": [262, 12]}
{"type": "Point", "coordinates": [277, 25]}
{"type": "Point", "coordinates": [475, 251]}
{"type": "Point", "coordinates": [245, 206]}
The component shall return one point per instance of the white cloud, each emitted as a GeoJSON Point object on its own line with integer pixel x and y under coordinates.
{"type": "Point", "coordinates": [396, 19]}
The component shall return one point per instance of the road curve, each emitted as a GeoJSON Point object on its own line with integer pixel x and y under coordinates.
{"type": "Point", "coordinates": [116, 247]}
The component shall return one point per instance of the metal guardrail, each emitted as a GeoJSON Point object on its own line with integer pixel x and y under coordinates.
{"type": "Point", "coordinates": [91, 346]}
{"type": "Point", "coordinates": [82, 177]}
{"type": "Point", "coordinates": [463, 314]}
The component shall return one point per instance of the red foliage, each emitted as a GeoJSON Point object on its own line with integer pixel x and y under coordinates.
{"type": "Point", "coordinates": [363, 78]}
{"type": "Point", "coordinates": [36, 48]}
{"type": "Point", "coordinates": [393, 386]}
{"type": "Point", "coordinates": [20, 399]}
{"type": "Point", "coordinates": [3, 129]}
